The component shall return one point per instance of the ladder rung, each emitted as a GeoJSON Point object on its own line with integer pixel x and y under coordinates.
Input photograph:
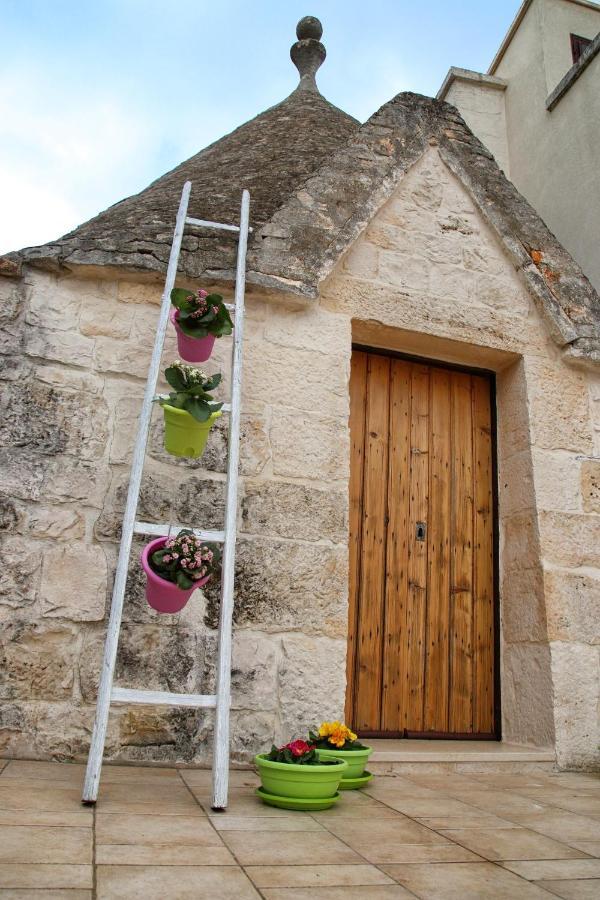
{"type": "Point", "coordinates": [204, 223]}
{"type": "Point", "coordinates": [230, 307]}
{"type": "Point", "coordinates": [162, 698]}
{"type": "Point", "coordinates": [162, 530]}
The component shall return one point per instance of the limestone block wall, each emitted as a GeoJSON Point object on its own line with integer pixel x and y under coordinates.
{"type": "Point", "coordinates": [426, 277]}
{"type": "Point", "coordinates": [75, 358]}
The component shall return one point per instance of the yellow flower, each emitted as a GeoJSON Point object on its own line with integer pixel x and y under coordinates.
{"type": "Point", "coordinates": [336, 733]}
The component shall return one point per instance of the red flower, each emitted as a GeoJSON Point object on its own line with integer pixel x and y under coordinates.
{"type": "Point", "coordinates": [298, 748]}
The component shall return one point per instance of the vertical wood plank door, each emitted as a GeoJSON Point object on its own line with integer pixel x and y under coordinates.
{"type": "Point", "coordinates": [421, 635]}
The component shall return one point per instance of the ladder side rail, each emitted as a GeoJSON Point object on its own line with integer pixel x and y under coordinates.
{"type": "Point", "coordinates": [223, 691]}
{"type": "Point", "coordinates": [94, 765]}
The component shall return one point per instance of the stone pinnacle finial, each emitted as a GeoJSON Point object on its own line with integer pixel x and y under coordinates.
{"type": "Point", "coordinates": [308, 52]}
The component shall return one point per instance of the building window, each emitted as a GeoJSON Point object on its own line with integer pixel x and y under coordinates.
{"type": "Point", "coordinates": [578, 45]}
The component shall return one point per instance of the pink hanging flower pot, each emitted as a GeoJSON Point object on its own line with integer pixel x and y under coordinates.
{"type": "Point", "coordinates": [183, 560]}
{"type": "Point", "coordinates": [190, 348]}
{"type": "Point", "coordinates": [198, 318]}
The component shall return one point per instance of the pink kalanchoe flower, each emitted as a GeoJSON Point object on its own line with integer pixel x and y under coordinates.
{"type": "Point", "coordinates": [167, 557]}
{"type": "Point", "coordinates": [202, 293]}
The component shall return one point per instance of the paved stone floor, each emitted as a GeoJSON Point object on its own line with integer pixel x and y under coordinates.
{"type": "Point", "coordinates": [440, 836]}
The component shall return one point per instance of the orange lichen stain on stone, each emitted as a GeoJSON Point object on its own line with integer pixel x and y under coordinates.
{"type": "Point", "coordinates": [536, 256]}
{"type": "Point", "coordinates": [550, 275]}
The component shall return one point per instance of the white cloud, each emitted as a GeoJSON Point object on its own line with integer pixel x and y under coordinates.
{"type": "Point", "coordinates": [62, 161]}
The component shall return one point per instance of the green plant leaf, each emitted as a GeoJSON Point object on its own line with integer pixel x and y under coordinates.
{"type": "Point", "coordinates": [197, 408]}
{"type": "Point", "coordinates": [175, 378]}
{"type": "Point", "coordinates": [179, 297]}
{"type": "Point", "coordinates": [192, 330]}
{"type": "Point", "coordinates": [183, 581]}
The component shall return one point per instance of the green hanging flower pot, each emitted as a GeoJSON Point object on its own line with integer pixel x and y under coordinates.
{"type": "Point", "coordinates": [184, 435]}
{"type": "Point", "coordinates": [189, 409]}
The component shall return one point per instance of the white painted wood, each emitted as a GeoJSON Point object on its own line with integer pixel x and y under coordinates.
{"type": "Point", "coordinates": [162, 698]}
{"type": "Point", "coordinates": [94, 765]}
{"type": "Point", "coordinates": [162, 529]}
{"type": "Point", "coordinates": [220, 701]}
{"type": "Point", "coordinates": [203, 223]}
{"type": "Point", "coordinates": [221, 734]}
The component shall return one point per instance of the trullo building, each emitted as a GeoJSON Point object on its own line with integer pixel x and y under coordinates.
{"type": "Point", "coordinates": [420, 504]}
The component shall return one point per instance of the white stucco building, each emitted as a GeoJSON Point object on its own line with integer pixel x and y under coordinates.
{"type": "Point", "coordinates": [538, 110]}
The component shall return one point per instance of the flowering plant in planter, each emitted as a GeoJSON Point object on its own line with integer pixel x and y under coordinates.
{"type": "Point", "coordinates": [175, 567]}
{"type": "Point", "coordinates": [191, 390]}
{"type": "Point", "coordinates": [334, 740]}
{"type": "Point", "coordinates": [293, 777]}
{"type": "Point", "coordinates": [335, 736]}
{"type": "Point", "coordinates": [189, 409]}
{"type": "Point", "coordinates": [186, 559]}
{"type": "Point", "coordinates": [297, 752]}
{"type": "Point", "coordinates": [200, 314]}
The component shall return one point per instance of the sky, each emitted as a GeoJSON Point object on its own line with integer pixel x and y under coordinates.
{"type": "Point", "coordinates": [100, 97]}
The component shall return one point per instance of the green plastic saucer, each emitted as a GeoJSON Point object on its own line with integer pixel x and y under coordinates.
{"type": "Point", "coordinates": [352, 784]}
{"type": "Point", "coordinates": [296, 802]}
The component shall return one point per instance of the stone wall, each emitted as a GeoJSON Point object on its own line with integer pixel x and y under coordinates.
{"type": "Point", "coordinates": [426, 277]}
{"type": "Point", "coordinates": [76, 358]}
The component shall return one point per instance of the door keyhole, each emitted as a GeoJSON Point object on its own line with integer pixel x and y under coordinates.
{"type": "Point", "coordinates": [421, 531]}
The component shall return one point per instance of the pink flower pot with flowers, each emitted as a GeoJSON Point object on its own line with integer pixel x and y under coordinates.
{"type": "Point", "coordinates": [175, 567]}
{"type": "Point", "coordinates": [189, 348]}
{"type": "Point", "coordinates": [198, 318]}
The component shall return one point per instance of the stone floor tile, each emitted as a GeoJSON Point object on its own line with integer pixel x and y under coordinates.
{"type": "Point", "coordinates": [14, 875]}
{"type": "Point", "coordinates": [243, 805]}
{"type": "Point", "coordinates": [502, 803]}
{"type": "Point", "coordinates": [244, 779]}
{"type": "Point", "coordinates": [430, 853]}
{"type": "Point", "coordinates": [40, 844]}
{"type": "Point", "coordinates": [421, 807]}
{"type": "Point", "coordinates": [45, 894]}
{"type": "Point", "coordinates": [365, 811]}
{"type": "Point", "coordinates": [164, 855]}
{"type": "Point", "coordinates": [316, 876]}
{"type": "Point", "coordinates": [465, 881]}
{"type": "Point", "coordinates": [291, 848]}
{"type": "Point", "coordinates": [592, 848]}
{"type": "Point", "coordinates": [352, 892]}
{"type": "Point", "coordinates": [555, 795]}
{"type": "Point", "coordinates": [549, 869]}
{"type": "Point", "coordinates": [480, 820]}
{"type": "Point", "coordinates": [143, 798]}
{"type": "Point", "coordinates": [511, 843]}
{"type": "Point", "coordinates": [562, 825]}
{"type": "Point", "coordinates": [384, 833]}
{"type": "Point", "coordinates": [25, 770]}
{"type": "Point", "coordinates": [580, 781]}
{"type": "Point", "coordinates": [141, 830]}
{"type": "Point", "coordinates": [83, 818]}
{"type": "Point", "coordinates": [38, 795]}
{"type": "Point", "coordinates": [582, 889]}
{"type": "Point", "coordinates": [181, 882]}
{"type": "Point", "coordinates": [265, 823]}
{"type": "Point", "coordinates": [585, 803]}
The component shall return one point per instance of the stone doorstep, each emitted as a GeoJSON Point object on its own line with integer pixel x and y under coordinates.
{"type": "Point", "coordinates": [405, 755]}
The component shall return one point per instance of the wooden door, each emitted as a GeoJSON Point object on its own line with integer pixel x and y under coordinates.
{"type": "Point", "coordinates": [421, 594]}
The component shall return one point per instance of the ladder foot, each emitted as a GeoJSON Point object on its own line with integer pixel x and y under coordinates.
{"type": "Point", "coordinates": [88, 802]}
{"type": "Point", "coordinates": [219, 808]}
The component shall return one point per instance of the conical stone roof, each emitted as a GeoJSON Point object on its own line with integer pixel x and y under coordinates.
{"type": "Point", "coordinates": [271, 156]}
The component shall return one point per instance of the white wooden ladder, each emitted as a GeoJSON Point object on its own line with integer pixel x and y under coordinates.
{"type": "Point", "coordinates": [221, 701]}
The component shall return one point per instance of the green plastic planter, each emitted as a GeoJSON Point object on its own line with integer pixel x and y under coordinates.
{"type": "Point", "coordinates": [355, 759]}
{"type": "Point", "coordinates": [184, 435]}
{"type": "Point", "coordinates": [302, 782]}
